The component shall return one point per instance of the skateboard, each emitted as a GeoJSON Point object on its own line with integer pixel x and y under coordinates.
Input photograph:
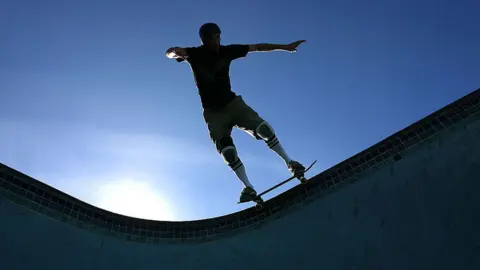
{"type": "Point", "coordinates": [258, 199]}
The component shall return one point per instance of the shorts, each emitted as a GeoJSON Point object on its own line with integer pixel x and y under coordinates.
{"type": "Point", "coordinates": [236, 114]}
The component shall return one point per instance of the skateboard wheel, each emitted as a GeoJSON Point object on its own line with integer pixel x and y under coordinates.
{"type": "Point", "coordinates": [302, 179]}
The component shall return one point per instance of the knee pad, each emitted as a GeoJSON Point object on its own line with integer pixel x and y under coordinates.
{"type": "Point", "coordinates": [227, 150]}
{"type": "Point", "coordinates": [265, 131]}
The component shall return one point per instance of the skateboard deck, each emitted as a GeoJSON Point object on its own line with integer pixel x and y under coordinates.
{"type": "Point", "coordinates": [258, 199]}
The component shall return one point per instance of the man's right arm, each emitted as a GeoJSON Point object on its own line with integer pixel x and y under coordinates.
{"type": "Point", "coordinates": [177, 52]}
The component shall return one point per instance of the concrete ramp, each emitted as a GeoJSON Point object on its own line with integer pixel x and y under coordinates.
{"type": "Point", "coordinates": [409, 202]}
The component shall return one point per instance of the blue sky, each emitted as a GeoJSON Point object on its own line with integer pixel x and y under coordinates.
{"type": "Point", "coordinates": [91, 105]}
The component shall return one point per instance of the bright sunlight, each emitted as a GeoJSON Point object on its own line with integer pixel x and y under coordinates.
{"type": "Point", "coordinates": [134, 198]}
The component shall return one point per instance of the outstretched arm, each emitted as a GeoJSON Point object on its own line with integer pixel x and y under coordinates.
{"type": "Point", "coordinates": [267, 47]}
{"type": "Point", "coordinates": [176, 52]}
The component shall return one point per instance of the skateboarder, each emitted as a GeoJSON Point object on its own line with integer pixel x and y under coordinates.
{"type": "Point", "coordinates": [222, 108]}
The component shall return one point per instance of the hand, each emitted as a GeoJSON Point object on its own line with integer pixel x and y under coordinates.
{"type": "Point", "coordinates": [292, 47]}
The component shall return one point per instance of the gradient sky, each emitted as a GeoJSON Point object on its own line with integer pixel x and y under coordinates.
{"type": "Point", "coordinates": [91, 105]}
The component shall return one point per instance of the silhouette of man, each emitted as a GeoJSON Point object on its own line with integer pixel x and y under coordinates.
{"type": "Point", "coordinates": [222, 108]}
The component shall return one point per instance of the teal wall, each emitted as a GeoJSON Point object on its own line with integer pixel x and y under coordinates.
{"type": "Point", "coordinates": [422, 212]}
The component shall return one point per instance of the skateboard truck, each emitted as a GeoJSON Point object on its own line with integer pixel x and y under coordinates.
{"type": "Point", "coordinates": [301, 177]}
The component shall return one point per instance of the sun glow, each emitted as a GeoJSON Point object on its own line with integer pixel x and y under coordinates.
{"type": "Point", "coordinates": [134, 198]}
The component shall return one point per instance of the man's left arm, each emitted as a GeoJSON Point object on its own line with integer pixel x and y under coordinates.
{"type": "Point", "coordinates": [268, 47]}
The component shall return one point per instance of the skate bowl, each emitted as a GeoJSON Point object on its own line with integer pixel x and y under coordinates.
{"type": "Point", "coordinates": [410, 201]}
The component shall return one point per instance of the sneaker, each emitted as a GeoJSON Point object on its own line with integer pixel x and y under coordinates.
{"type": "Point", "coordinates": [296, 168]}
{"type": "Point", "coordinates": [248, 194]}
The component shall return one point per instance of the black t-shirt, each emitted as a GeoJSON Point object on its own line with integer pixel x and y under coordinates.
{"type": "Point", "coordinates": [211, 73]}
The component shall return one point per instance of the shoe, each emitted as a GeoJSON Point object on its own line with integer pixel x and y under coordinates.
{"type": "Point", "coordinates": [296, 168]}
{"type": "Point", "coordinates": [248, 194]}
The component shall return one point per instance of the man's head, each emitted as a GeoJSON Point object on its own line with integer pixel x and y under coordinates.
{"type": "Point", "coordinates": [210, 35]}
